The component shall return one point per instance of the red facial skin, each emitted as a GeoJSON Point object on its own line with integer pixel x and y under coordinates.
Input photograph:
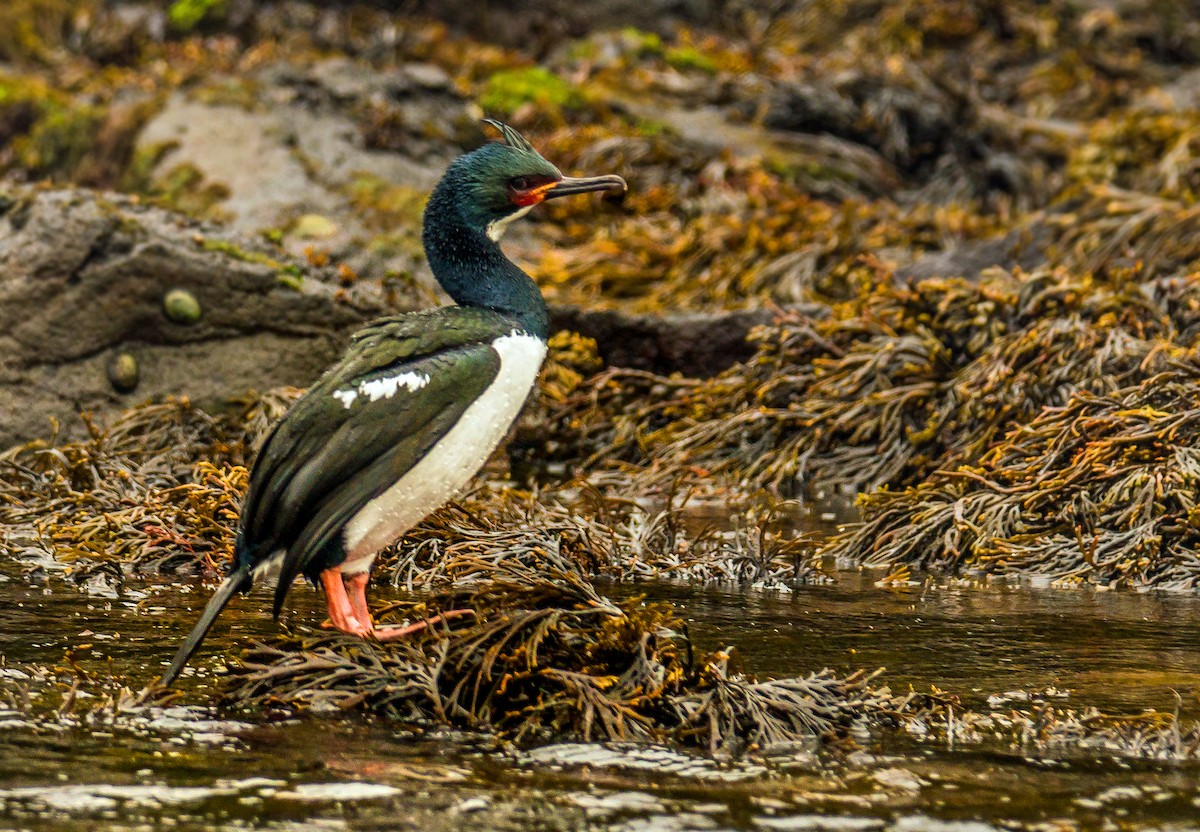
{"type": "Point", "coordinates": [532, 195]}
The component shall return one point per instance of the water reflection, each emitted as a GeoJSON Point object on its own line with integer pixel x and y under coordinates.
{"type": "Point", "coordinates": [1118, 651]}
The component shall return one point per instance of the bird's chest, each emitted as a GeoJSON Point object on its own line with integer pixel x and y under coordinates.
{"type": "Point", "coordinates": [451, 461]}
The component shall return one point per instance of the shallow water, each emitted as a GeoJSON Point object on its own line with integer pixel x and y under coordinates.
{"type": "Point", "coordinates": [194, 769]}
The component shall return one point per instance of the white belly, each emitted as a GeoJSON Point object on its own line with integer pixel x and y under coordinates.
{"type": "Point", "coordinates": [452, 461]}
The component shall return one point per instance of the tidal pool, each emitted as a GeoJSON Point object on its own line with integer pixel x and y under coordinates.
{"type": "Point", "coordinates": [191, 767]}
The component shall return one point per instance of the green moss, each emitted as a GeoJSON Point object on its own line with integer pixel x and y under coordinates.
{"type": "Point", "coordinates": [291, 276]}
{"type": "Point", "coordinates": [641, 42]}
{"type": "Point", "coordinates": [139, 175]}
{"type": "Point", "coordinates": [686, 58]}
{"type": "Point", "coordinates": [50, 132]}
{"type": "Point", "coordinates": [386, 205]}
{"type": "Point", "coordinates": [186, 15]}
{"type": "Point", "coordinates": [239, 253]}
{"type": "Point", "coordinates": [510, 89]}
{"type": "Point", "coordinates": [59, 140]}
{"type": "Point", "coordinates": [650, 127]}
{"type": "Point", "coordinates": [182, 189]}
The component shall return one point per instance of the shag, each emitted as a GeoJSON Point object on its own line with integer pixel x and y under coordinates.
{"type": "Point", "coordinates": [413, 409]}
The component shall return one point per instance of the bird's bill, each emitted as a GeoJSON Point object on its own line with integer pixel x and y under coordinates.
{"type": "Point", "coordinates": [570, 185]}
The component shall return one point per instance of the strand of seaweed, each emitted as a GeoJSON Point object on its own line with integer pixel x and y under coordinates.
{"type": "Point", "coordinates": [1101, 490]}
{"type": "Point", "coordinates": [547, 656]}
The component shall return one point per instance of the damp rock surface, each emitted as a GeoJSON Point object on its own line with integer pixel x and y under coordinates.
{"type": "Point", "coordinates": [85, 275]}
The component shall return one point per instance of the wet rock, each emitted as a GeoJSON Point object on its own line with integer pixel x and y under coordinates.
{"type": "Point", "coordinates": [84, 274]}
{"type": "Point", "coordinates": [899, 778]}
{"type": "Point", "coordinates": [697, 344]}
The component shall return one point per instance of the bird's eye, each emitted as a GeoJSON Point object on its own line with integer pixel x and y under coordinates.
{"type": "Point", "coordinates": [520, 183]}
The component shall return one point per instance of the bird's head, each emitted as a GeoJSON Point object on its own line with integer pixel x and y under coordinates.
{"type": "Point", "coordinates": [502, 181]}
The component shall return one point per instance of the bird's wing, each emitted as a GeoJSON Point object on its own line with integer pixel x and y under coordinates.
{"type": "Point", "coordinates": [402, 384]}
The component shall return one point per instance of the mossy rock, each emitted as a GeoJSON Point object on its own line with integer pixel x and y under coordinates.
{"type": "Point", "coordinates": [186, 15]}
{"type": "Point", "coordinates": [50, 132]}
{"type": "Point", "coordinates": [183, 188]}
{"type": "Point", "coordinates": [509, 90]}
{"type": "Point", "coordinates": [689, 58]}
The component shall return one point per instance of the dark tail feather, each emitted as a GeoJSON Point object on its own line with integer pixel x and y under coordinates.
{"type": "Point", "coordinates": [225, 592]}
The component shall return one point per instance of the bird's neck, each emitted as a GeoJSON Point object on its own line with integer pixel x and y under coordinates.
{"type": "Point", "coordinates": [474, 271]}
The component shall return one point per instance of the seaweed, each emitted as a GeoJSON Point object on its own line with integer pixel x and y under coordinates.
{"type": "Point", "coordinates": [750, 543]}
{"type": "Point", "coordinates": [545, 656]}
{"type": "Point", "coordinates": [158, 490]}
{"type": "Point", "coordinates": [1050, 730]}
{"type": "Point", "coordinates": [36, 30]}
{"type": "Point", "coordinates": [1100, 490]}
{"type": "Point", "coordinates": [895, 384]}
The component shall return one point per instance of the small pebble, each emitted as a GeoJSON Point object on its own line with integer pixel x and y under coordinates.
{"type": "Point", "coordinates": [123, 372]}
{"type": "Point", "coordinates": [181, 306]}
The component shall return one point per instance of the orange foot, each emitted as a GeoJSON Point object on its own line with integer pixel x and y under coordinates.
{"type": "Point", "coordinates": [397, 633]}
{"type": "Point", "coordinates": [346, 596]}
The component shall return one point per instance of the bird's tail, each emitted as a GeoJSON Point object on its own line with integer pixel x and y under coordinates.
{"type": "Point", "coordinates": [225, 592]}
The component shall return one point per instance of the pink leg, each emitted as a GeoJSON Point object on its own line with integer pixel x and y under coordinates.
{"type": "Point", "coordinates": [341, 613]}
{"type": "Point", "coordinates": [347, 597]}
{"type": "Point", "coordinates": [356, 588]}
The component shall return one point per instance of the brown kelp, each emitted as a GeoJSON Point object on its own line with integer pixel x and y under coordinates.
{"type": "Point", "coordinates": [157, 490]}
{"type": "Point", "coordinates": [905, 379]}
{"type": "Point", "coordinates": [750, 542]}
{"type": "Point", "coordinates": [544, 655]}
{"type": "Point", "coordinates": [1100, 490]}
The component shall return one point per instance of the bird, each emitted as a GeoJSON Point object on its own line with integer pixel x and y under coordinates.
{"type": "Point", "coordinates": [413, 408]}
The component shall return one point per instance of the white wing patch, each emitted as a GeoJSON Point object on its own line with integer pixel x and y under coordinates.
{"type": "Point", "coordinates": [382, 388]}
